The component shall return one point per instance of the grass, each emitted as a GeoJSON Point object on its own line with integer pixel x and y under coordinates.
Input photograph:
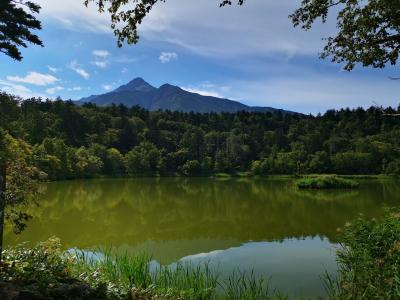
{"type": "Point", "coordinates": [222, 175]}
{"type": "Point", "coordinates": [48, 271]}
{"type": "Point", "coordinates": [132, 274]}
{"type": "Point", "coordinates": [326, 182]}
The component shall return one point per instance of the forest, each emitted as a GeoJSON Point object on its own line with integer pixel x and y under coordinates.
{"type": "Point", "coordinates": [67, 141]}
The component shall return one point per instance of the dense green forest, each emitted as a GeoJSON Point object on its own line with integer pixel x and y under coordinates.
{"type": "Point", "coordinates": [66, 141]}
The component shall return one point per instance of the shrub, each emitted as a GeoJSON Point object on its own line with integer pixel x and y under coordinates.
{"type": "Point", "coordinates": [369, 263]}
{"type": "Point", "coordinates": [191, 168]}
{"type": "Point", "coordinates": [326, 182]}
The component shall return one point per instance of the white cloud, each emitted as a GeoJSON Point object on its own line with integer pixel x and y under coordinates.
{"type": "Point", "coordinates": [78, 69]}
{"type": "Point", "coordinates": [124, 70]}
{"type": "Point", "coordinates": [127, 60]}
{"type": "Point", "coordinates": [166, 57]}
{"type": "Point", "coordinates": [54, 69]}
{"type": "Point", "coordinates": [75, 89]}
{"type": "Point", "coordinates": [100, 64]}
{"type": "Point", "coordinates": [101, 53]}
{"type": "Point", "coordinates": [13, 88]}
{"type": "Point", "coordinates": [108, 87]}
{"type": "Point", "coordinates": [74, 16]}
{"type": "Point", "coordinates": [54, 90]}
{"type": "Point", "coordinates": [35, 78]}
{"type": "Point", "coordinates": [17, 89]}
{"type": "Point", "coordinates": [203, 92]}
{"type": "Point", "coordinates": [100, 58]}
{"type": "Point", "coordinates": [260, 27]}
{"type": "Point", "coordinates": [208, 88]}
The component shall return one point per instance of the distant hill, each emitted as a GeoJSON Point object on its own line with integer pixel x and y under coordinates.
{"type": "Point", "coordinates": [170, 97]}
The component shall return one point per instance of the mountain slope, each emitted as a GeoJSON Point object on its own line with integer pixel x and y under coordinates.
{"type": "Point", "coordinates": [169, 97]}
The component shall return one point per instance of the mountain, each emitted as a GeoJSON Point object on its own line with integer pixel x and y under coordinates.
{"type": "Point", "coordinates": [170, 97]}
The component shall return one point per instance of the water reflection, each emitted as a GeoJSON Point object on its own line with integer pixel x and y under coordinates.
{"type": "Point", "coordinates": [293, 266]}
{"type": "Point", "coordinates": [120, 211]}
{"type": "Point", "coordinates": [173, 218]}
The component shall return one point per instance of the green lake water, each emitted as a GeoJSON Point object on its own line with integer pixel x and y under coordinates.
{"type": "Point", "coordinates": [264, 225]}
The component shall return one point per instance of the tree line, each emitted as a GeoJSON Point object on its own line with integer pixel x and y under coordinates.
{"type": "Point", "coordinates": [66, 141]}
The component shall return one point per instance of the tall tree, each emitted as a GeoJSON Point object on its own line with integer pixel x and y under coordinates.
{"type": "Point", "coordinates": [17, 21]}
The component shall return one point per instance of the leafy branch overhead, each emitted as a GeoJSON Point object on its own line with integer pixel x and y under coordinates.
{"type": "Point", "coordinates": [17, 21]}
{"type": "Point", "coordinates": [368, 30]}
{"type": "Point", "coordinates": [125, 22]}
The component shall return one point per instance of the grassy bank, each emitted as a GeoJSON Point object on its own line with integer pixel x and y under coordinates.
{"type": "Point", "coordinates": [47, 272]}
{"type": "Point", "coordinates": [326, 182]}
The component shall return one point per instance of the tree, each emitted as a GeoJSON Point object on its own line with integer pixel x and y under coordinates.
{"type": "Point", "coordinates": [393, 168]}
{"type": "Point", "coordinates": [369, 30]}
{"type": "Point", "coordinates": [18, 182]}
{"type": "Point", "coordinates": [3, 173]}
{"type": "Point", "coordinates": [86, 164]}
{"type": "Point", "coordinates": [319, 162]}
{"type": "Point", "coordinates": [143, 158]}
{"type": "Point", "coordinates": [16, 25]}
{"type": "Point", "coordinates": [114, 162]}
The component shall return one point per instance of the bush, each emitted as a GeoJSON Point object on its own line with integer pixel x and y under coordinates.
{"type": "Point", "coordinates": [191, 168]}
{"type": "Point", "coordinates": [41, 264]}
{"type": "Point", "coordinates": [369, 263]}
{"type": "Point", "coordinates": [326, 182]}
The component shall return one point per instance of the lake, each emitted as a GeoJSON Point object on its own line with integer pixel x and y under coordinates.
{"type": "Point", "coordinates": [265, 225]}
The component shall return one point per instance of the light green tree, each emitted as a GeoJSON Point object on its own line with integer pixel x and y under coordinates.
{"type": "Point", "coordinates": [18, 182]}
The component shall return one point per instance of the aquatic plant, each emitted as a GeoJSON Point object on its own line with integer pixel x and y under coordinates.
{"type": "Point", "coordinates": [326, 182]}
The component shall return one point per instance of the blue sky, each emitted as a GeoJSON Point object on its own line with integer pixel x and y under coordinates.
{"type": "Point", "coordinates": [250, 54]}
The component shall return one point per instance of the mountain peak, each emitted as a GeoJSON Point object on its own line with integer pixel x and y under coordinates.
{"type": "Point", "coordinates": [167, 86]}
{"type": "Point", "coordinates": [170, 97]}
{"type": "Point", "coordinates": [137, 84]}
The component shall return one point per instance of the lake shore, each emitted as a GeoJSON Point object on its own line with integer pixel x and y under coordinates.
{"type": "Point", "coordinates": [234, 175]}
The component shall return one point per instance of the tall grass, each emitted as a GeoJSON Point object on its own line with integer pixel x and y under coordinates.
{"type": "Point", "coordinates": [242, 285]}
{"type": "Point", "coordinates": [183, 280]}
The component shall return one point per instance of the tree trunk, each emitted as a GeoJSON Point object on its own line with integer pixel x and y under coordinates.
{"type": "Point", "coordinates": [2, 203]}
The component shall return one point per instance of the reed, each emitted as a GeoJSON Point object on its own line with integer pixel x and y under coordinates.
{"type": "Point", "coordinates": [183, 280]}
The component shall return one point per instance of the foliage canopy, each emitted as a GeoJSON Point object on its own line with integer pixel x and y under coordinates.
{"type": "Point", "coordinates": [17, 21]}
{"type": "Point", "coordinates": [68, 141]}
